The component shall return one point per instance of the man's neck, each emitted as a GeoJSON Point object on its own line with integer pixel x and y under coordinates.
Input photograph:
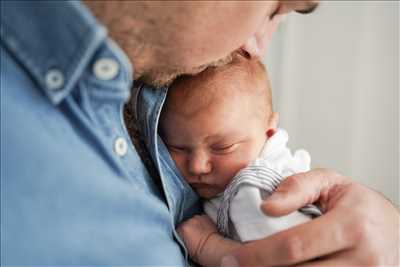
{"type": "Point", "coordinates": [126, 30]}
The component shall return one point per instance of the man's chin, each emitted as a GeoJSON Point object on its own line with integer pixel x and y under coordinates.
{"type": "Point", "coordinates": [158, 80]}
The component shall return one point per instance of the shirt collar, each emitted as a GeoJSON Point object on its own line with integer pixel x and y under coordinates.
{"type": "Point", "coordinates": [53, 40]}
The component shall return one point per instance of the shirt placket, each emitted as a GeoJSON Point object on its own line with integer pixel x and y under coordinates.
{"type": "Point", "coordinates": [101, 95]}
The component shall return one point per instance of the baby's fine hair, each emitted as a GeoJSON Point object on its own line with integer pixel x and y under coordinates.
{"type": "Point", "coordinates": [242, 75]}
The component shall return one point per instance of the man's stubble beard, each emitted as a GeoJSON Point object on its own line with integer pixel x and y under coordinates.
{"type": "Point", "coordinates": [157, 78]}
{"type": "Point", "coordinates": [162, 77]}
{"type": "Point", "coordinates": [141, 41]}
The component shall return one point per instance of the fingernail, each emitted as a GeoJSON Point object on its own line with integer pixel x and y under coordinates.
{"type": "Point", "coordinates": [229, 261]}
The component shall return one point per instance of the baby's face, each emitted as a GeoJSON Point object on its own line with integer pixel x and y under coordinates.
{"type": "Point", "coordinates": [211, 145]}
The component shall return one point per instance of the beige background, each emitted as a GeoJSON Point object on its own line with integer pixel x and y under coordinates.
{"type": "Point", "coordinates": [335, 79]}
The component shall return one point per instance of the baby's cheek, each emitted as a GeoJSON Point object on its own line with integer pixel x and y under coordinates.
{"type": "Point", "coordinates": [229, 167]}
{"type": "Point", "coordinates": [179, 162]}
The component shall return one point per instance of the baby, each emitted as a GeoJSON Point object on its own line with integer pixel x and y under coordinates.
{"type": "Point", "coordinates": [221, 131]}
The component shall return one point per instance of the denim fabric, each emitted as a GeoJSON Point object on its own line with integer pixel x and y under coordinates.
{"type": "Point", "coordinates": [183, 201]}
{"type": "Point", "coordinates": [66, 196]}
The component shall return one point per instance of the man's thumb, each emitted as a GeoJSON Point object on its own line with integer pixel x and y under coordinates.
{"type": "Point", "coordinates": [293, 193]}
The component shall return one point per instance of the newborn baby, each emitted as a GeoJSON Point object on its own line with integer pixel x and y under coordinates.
{"type": "Point", "coordinates": [221, 131]}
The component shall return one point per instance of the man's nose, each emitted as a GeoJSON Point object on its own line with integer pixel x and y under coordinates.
{"type": "Point", "coordinates": [257, 44]}
{"type": "Point", "coordinates": [199, 163]}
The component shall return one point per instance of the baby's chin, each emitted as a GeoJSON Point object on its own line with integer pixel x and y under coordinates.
{"type": "Point", "coordinates": [207, 193]}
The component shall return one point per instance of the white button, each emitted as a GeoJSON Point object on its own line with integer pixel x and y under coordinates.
{"type": "Point", "coordinates": [105, 69]}
{"type": "Point", "coordinates": [120, 146]}
{"type": "Point", "coordinates": [54, 79]}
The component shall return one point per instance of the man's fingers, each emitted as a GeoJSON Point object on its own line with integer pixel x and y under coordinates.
{"type": "Point", "coordinates": [301, 189]}
{"type": "Point", "coordinates": [298, 244]}
{"type": "Point", "coordinates": [343, 258]}
{"type": "Point", "coordinates": [335, 262]}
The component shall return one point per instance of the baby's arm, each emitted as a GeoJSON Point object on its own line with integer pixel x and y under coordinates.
{"type": "Point", "coordinates": [204, 244]}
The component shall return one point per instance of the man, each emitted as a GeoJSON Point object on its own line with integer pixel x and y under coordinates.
{"type": "Point", "coordinates": [74, 191]}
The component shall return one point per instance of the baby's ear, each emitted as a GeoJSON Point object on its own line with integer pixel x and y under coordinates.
{"type": "Point", "coordinates": [273, 121]}
{"type": "Point", "coordinates": [272, 124]}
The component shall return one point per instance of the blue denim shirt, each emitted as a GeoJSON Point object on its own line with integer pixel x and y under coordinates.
{"type": "Point", "coordinates": [74, 190]}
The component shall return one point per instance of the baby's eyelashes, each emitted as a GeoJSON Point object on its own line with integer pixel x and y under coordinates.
{"type": "Point", "coordinates": [214, 149]}
{"type": "Point", "coordinates": [177, 148]}
{"type": "Point", "coordinates": [224, 149]}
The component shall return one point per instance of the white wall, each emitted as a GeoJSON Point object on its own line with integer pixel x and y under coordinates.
{"type": "Point", "coordinates": [335, 80]}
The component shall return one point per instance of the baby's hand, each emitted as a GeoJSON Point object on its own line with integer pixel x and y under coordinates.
{"type": "Point", "coordinates": [204, 244]}
{"type": "Point", "coordinates": [195, 232]}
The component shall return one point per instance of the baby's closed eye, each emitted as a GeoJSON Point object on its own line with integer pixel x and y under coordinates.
{"type": "Point", "coordinates": [176, 148]}
{"type": "Point", "coordinates": [225, 148]}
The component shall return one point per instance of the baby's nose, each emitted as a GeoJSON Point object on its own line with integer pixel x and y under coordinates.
{"type": "Point", "coordinates": [199, 164]}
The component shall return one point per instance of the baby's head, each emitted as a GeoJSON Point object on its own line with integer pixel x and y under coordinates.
{"type": "Point", "coordinates": [215, 123]}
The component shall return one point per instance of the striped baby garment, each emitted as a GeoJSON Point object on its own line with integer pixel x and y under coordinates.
{"type": "Point", "coordinates": [237, 211]}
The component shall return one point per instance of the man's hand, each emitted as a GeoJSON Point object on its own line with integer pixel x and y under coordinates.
{"type": "Point", "coordinates": [359, 226]}
{"type": "Point", "coordinates": [205, 246]}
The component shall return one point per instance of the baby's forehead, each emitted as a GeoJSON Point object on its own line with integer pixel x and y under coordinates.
{"type": "Point", "coordinates": [217, 84]}
{"type": "Point", "coordinates": [205, 94]}
{"type": "Point", "coordinates": [241, 82]}
{"type": "Point", "coordinates": [217, 106]}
